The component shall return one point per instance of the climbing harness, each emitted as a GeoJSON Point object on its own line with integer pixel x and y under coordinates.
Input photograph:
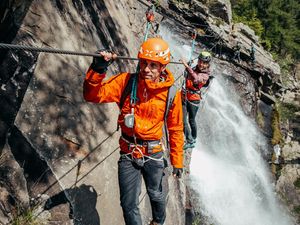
{"type": "Point", "coordinates": [136, 154]}
{"type": "Point", "coordinates": [170, 98]}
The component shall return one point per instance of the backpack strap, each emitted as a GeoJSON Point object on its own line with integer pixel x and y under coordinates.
{"type": "Point", "coordinates": [171, 95]}
{"type": "Point", "coordinates": [170, 98]}
{"type": "Point", "coordinates": [126, 90]}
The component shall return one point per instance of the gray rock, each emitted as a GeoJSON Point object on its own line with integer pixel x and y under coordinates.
{"type": "Point", "coordinates": [247, 31]}
{"type": "Point", "coordinates": [221, 9]}
{"type": "Point", "coordinates": [291, 151]}
{"type": "Point", "coordinates": [13, 186]}
{"type": "Point", "coordinates": [289, 193]}
{"type": "Point", "coordinates": [266, 98]}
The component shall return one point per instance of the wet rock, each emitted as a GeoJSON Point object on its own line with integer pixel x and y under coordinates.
{"type": "Point", "coordinates": [266, 113]}
{"type": "Point", "coordinates": [285, 186]}
{"type": "Point", "coordinates": [266, 98]}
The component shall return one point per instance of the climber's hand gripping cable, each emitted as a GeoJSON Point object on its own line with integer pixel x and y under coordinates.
{"type": "Point", "coordinates": [100, 64]}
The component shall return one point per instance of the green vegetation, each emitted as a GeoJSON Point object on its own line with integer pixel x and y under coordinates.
{"type": "Point", "coordinates": [276, 22]}
{"type": "Point", "coordinates": [287, 111]}
{"type": "Point", "coordinates": [219, 22]}
{"type": "Point", "coordinates": [260, 119]}
{"type": "Point", "coordinates": [297, 183]}
{"type": "Point", "coordinates": [297, 209]}
{"type": "Point", "coordinates": [26, 217]}
{"type": "Point", "coordinates": [277, 136]}
{"type": "Point", "coordinates": [196, 220]}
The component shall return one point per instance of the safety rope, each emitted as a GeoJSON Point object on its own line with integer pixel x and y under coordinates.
{"type": "Point", "coordinates": [194, 36]}
{"type": "Point", "coordinates": [78, 165]}
{"type": "Point", "coordinates": [210, 49]}
{"type": "Point", "coordinates": [137, 148]}
{"type": "Point", "coordinates": [144, 158]}
{"type": "Point", "coordinates": [83, 159]}
{"type": "Point", "coordinates": [59, 51]}
{"type": "Point", "coordinates": [94, 167]}
{"type": "Point", "coordinates": [52, 50]}
{"type": "Point", "coordinates": [177, 21]}
{"type": "Point", "coordinates": [74, 185]}
{"type": "Point", "coordinates": [133, 95]}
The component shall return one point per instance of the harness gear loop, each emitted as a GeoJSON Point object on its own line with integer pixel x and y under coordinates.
{"type": "Point", "coordinates": [136, 148]}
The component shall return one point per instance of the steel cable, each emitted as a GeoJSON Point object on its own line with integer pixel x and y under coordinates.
{"type": "Point", "coordinates": [59, 51]}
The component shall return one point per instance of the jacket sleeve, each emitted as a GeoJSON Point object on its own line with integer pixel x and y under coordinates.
{"type": "Point", "coordinates": [192, 73]}
{"type": "Point", "coordinates": [197, 77]}
{"type": "Point", "coordinates": [98, 91]}
{"type": "Point", "coordinates": [175, 129]}
{"type": "Point", "coordinates": [203, 77]}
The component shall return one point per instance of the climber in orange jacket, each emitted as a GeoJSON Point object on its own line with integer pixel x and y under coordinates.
{"type": "Point", "coordinates": [196, 78]}
{"type": "Point", "coordinates": [141, 121]}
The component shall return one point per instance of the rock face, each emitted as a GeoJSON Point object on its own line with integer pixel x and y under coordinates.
{"type": "Point", "coordinates": [288, 184]}
{"type": "Point", "coordinates": [42, 96]}
{"type": "Point", "coordinates": [222, 35]}
{"type": "Point", "coordinates": [57, 131]}
{"type": "Point", "coordinates": [13, 186]}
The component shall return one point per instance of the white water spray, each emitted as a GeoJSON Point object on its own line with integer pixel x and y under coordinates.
{"type": "Point", "coordinates": [227, 171]}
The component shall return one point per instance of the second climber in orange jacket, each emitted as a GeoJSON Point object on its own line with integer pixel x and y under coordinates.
{"type": "Point", "coordinates": [141, 120]}
{"type": "Point", "coordinates": [195, 79]}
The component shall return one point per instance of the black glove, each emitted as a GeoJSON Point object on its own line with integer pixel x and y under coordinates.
{"type": "Point", "coordinates": [99, 64]}
{"type": "Point", "coordinates": [177, 172]}
{"type": "Point", "coordinates": [48, 204]}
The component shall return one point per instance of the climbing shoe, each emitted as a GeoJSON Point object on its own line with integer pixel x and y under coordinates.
{"type": "Point", "coordinates": [188, 145]}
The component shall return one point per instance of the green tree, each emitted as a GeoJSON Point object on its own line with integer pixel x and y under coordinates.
{"type": "Point", "coordinates": [245, 12]}
{"type": "Point", "coordinates": [282, 27]}
{"type": "Point", "coordinates": [276, 22]}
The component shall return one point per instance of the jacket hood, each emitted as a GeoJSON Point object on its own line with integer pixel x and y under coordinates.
{"type": "Point", "coordinates": [167, 81]}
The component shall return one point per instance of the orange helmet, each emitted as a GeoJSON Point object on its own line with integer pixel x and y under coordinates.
{"type": "Point", "coordinates": [155, 49]}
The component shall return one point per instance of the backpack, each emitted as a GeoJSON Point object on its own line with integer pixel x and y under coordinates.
{"type": "Point", "coordinates": [170, 98]}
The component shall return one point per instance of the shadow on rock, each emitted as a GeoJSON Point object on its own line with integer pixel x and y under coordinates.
{"type": "Point", "coordinates": [82, 202]}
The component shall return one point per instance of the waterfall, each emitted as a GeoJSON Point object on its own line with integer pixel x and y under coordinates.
{"type": "Point", "coordinates": [227, 172]}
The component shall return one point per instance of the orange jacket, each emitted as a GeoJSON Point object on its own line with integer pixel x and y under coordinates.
{"type": "Point", "coordinates": [148, 112]}
{"type": "Point", "coordinates": [192, 85]}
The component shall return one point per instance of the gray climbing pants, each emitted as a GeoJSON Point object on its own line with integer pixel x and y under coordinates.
{"type": "Point", "coordinates": [130, 179]}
